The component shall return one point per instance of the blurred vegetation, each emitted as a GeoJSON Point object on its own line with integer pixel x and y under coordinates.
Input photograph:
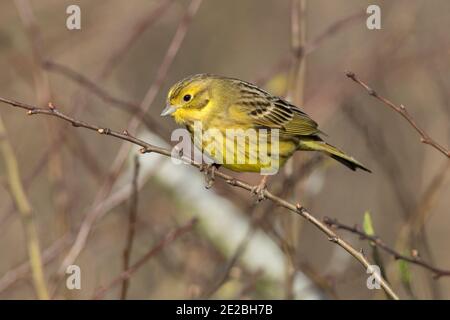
{"type": "Point", "coordinates": [66, 172]}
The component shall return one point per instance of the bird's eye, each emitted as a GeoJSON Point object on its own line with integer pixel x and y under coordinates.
{"type": "Point", "coordinates": [187, 97]}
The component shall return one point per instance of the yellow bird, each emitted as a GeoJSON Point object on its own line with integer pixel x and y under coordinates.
{"type": "Point", "coordinates": [219, 104]}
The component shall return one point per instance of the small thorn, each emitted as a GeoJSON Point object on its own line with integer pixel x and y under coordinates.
{"type": "Point", "coordinates": [30, 112]}
{"type": "Point", "coordinates": [51, 106]}
{"type": "Point", "coordinates": [125, 132]}
{"type": "Point", "coordinates": [402, 107]}
{"type": "Point", "coordinates": [143, 150]}
{"type": "Point", "coordinates": [372, 92]}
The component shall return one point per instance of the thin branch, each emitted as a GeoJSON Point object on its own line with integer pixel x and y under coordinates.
{"type": "Point", "coordinates": [296, 94]}
{"type": "Point", "coordinates": [311, 46]}
{"type": "Point", "coordinates": [298, 41]}
{"type": "Point", "coordinates": [133, 125]}
{"type": "Point", "coordinates": [26, 213]}
{"type": "Point", "coordinates": [135, 32]}
{"type": "Point", "coordinates": [12, 276]}
{"type": "Point", "coordinates": [130, 107]}
{"type": "Point", "coordinates": [148, 148]}
{"type": "Point", "coordinates": [164, 242]}
{"type": "Point", "coordinates": [239, 251]}
{"type": "Point", "coordinates": [131, 227]}
{"type": "Point", "coordinates": [414, 259]}
{"type": "Point", "coordinates": [424, 137]}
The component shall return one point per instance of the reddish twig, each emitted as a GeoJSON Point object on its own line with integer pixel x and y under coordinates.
{"type": "Point", "coordinates": [424, 137]}
{"type": "Point", "coordinates": [125, 275]}
{"type": "Point", "coordinates": [414, 258]}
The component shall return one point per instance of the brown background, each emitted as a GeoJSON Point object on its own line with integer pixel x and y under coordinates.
{"type": "Point", "coordinates": [407, 61]}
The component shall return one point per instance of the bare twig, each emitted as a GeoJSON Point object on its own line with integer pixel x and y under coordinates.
{"type": "Point", "coordinates": [131, 227]}
{"type": "Point", "coordinates": [117, 164]}
{"type": "Point", "coordinates": [128, 106]}
{"type": "Point", "coordinates": [43, 94]}
{"type": "Point", "coordinates": [21, 271]}
{"type": "Point", "coordinates": [295, 93]}
{"type": "Point", "coordinates": [414, 259]}
{"type": "Point", "coordinates": [230, 264]}
{"type": "Point", "coordinates": [26, 213]}
{"type": "Point", "coordinates": [126, 274]}
{"type": "Point", "coordinates": [134, 33]}
{"type": "Point", "coordinates": [148, 148]}
{"type": "Point", "coordinates": [310, 47]}
{"type": "Point", "coordinates": [424, 137]}
{"type": "Point", "coordinates": [298, 41]}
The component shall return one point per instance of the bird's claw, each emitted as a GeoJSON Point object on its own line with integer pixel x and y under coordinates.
{"type": "Point", "coordinates": [260, 190]}
{"type": "Point", "coordinates": [209, 171]}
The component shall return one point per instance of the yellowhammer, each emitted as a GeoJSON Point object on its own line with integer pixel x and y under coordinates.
{"type": "Point", "coordinates": [221, 104]}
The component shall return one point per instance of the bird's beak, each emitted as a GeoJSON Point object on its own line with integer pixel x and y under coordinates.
{"type": "Point", "coordinates": [168, 110]}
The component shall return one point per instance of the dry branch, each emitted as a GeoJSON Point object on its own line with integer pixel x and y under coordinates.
{"type": "Point", "coordinates": [26, 213]}
{"type": "Point", "coordinates": [131, 227]}
{"type": "Point", "coordinates": [22, 271]}
{"type": "Point", "coordinates": [125, 275]}
{"type": "Point", "coordinates": [122, 154]}
{"type": "Point", "coordinates": [148, 148]}
{"type": "Point", "coordinates": [401, 109]}
{"type": "Point", "coordinates": [415, 258]}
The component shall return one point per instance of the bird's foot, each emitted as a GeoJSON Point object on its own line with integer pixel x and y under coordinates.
{"type": "Point", "coordinates": [209, 170]}
{"type": "Point", "coordinates": [260, 189]}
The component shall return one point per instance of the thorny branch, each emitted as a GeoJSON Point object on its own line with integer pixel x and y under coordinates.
{"type": "Point", "coordinates": [414, 258]}
{"type": "Point", "coordinates": [401, 109]}
{"type": "Point", "coordinates": [149, 148]}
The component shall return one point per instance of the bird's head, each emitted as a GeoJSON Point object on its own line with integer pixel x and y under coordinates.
{"type": "Point", "coordinates": [189, 97]}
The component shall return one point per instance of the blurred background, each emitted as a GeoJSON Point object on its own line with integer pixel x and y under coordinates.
{"type": "Point", "coordinates": [84, 190]}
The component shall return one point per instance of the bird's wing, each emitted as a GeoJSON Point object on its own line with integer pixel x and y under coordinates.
{"type": "Point", "coordinates": [275, 113]}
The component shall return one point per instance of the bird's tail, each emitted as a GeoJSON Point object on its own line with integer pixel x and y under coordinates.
{"type": "Point", "coordinates": [333, 152]}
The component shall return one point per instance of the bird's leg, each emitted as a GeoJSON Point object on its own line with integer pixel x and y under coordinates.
{"type": "Point", "coordinates": [261, 188]}
{"type": "Point", "coordinates": [209, 169]}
